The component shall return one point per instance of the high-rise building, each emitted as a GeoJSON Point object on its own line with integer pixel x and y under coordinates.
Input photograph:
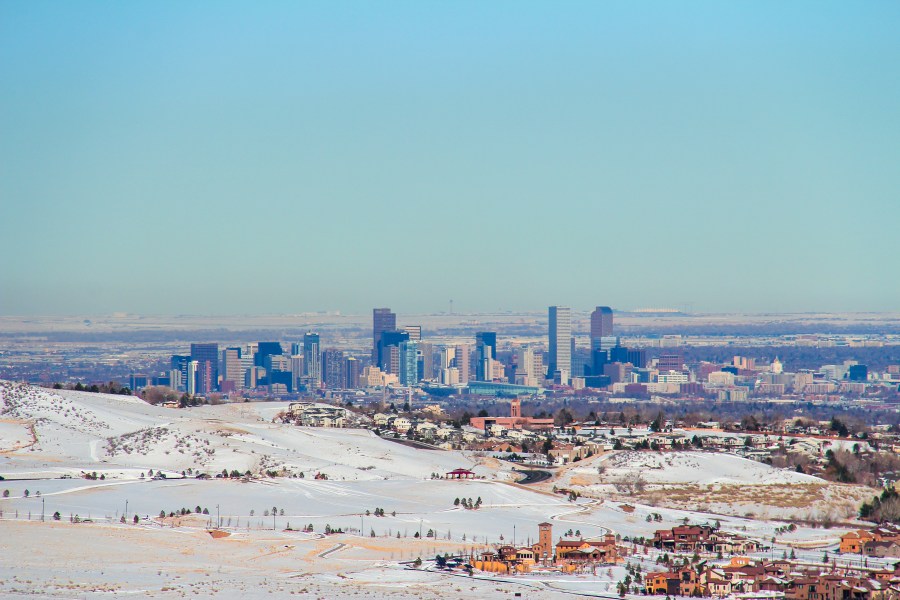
{"type": "Point", "coordinates": [461, 361]}
{"type": "Point", "coordinates": [669, 362]}
{"type": "Point", "coordinates": [351, 373]}
{"type": "Point", "coordinates": [414, 331]}
{"type": "Point", "coordinates": [207, 358]}
{"type": "Point", "coordinates": [635, 356]}
{"type": "Point", "coordinates": [191, 383]}
{"type": "Point", "coordinates": [387, 345]}
{"type": "Point", "coordinates": [426, 361]}
{"type": "Point", "coordinates": [232, 367]}
{"type": "Point", "coordinates": [264, 349]}
{"type": "Point", "coordinates": [409, 363]}
{"type": "Point", "coordinates": [297, 370]}
{"type": "Point", "coordinates": [179, 362]}
{"type": "Point", "coordinates": [601, 325]}
{"type": "Point", "coordinates": [312, 360]}
{"type": "Point", "coordinates": [560, 341]}
{"type": "Point", "coordinates": [382, 320]}
{"type": "Point", "coordinates": [333, 369]}
{"type": "Point", "coordinates": [529, 367]}
{"type": "Point", "coordinates": [485, 354]}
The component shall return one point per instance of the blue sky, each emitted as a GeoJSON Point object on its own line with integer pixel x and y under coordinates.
{"type": "Point", "coordinates": [258, 157]}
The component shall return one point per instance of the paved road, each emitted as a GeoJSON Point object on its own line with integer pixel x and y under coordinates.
{"type": "Point", "coordinates": [413, 443]}
{"type": "Point", "coordinates": [534, 476]}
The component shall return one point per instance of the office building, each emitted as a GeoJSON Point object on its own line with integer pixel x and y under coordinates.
{"type": "Point", "coordinates": [601, 325]}
{"type": "Point", "coordinates": [409, 363]}
{"type": "Point", "coordinates": [264, 349]}
{"type": "Point", "coordinates": [388, 343]}
{"type": "Point", "coordinates": [207, 359]}
{"type": "Point", "coordinates": [461, 357]}
{"type": "Point", "coordinates": [426, 361]}
{"type": "Point", "coordinates": [669, 362]}
{"type": "Point", "coordinates": [560, 342]}
{"type": "Point", "coordinates": [180, 363]}
{"type": "Point", "coordinates": [333, 369]}
{"type": "Point", "coordinates": [414, 331]}
{"type": "Point", "coordinates": [351, 373]}
{"type": "Point", "coordinates": [312, 360]}
{"type": "Point", "coordinates": [232, 368]}
{"type": "Point", "coordinates": [297, 371]}
{"type": "Point", "coordinates": [485, 354]}
{"type": "Point", "coordinates": [382, 320]}
{"type": "Point", "coordinates": [191, 384]}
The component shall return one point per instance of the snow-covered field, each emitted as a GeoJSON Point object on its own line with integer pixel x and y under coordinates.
{"type": "Point", "coordinates": [122, 438]}
{"type": "Point", "coordinates": [694, 467]}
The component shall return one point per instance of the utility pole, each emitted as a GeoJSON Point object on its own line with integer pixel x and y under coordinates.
{"type": "Point", "coordinates": [361, 527]}
{"type": "Point", "coordinates": [126, 508]}
{"type": "Point", "coordinates": [218, 518]}
{"type": "Point", "coordinates": [42, 508]}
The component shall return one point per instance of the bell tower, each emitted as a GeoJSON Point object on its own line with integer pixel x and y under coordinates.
{"type": "Point", "coordinates": [545, 541]}
{"type": "Point", "coordinates": [515, 408]}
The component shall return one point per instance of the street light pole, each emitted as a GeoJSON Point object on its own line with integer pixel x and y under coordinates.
{"type": "Point", "coordinates": [218, 518]}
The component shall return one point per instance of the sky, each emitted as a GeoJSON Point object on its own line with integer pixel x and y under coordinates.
{"type": "Point", "coordinates": [282, 157]}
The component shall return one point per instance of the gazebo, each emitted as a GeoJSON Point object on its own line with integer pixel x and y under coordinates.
{"type": "Point", "coordinates": [459, 474]}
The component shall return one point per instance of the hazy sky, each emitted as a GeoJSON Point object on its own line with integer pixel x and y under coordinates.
{"type": "Point", "coordinates": [256, 157]}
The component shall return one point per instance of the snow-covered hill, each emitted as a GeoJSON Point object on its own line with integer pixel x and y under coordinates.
{"type": "Point", "coordinates": [693, 467]}
{"type": "Point", "coordinates": [121, 436]}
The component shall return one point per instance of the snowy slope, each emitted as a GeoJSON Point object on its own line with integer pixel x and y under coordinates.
{"type": "Point", "coordinates": [692, 467]}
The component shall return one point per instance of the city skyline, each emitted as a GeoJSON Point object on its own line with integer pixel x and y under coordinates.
{"type": "Point", "coordinates": [162, 159]}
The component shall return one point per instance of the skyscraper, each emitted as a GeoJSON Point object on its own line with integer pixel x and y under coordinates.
{"type": "Point", "coordinates": [382, 320]}
{"type": "Point", "coordinates": [388, 343]}
{"type": "Point", "coordinates": [232, 367]}
{"type": "Point", "coordinates": [333, 369]}
{"type": "Point", "coordinates": [414, 331]}
{"type": "Point", "coordinates": [426, 361]}
{"type": "Point", "coordinates": [351, 373]}
{"type": "Point", "coordinates": [312, 360]}
{"type": "Point", "coordinates": [207, 358]}
{"type": "Point", "coordinates": [485, 354]}
{"type": "Point", "coordinates": [601, 325]}
{"type": "Point", "coordinates": [409, 363]}
{"type": "Point", "coordinates": [560, 341]}
{"type": "Point", "coordinates": [264, 349]}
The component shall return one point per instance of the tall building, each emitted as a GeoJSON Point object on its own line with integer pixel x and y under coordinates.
{"type": "Point", "coordinates": [485, 354]}
{"type": "Point", "coordinates": [529, 367]}
{"type": "Point", "coordinates": [461, 361]}
{"type": "Point", "coordinates": [388, 344]}
{"type": "Point", "coordinates": [670, 362]}
{"type": "Point", "coordinates": [601, 325]}
{"type": "Point", "coordinates": [333, 369]}
{"type": "Point", "coordinates": [312, 360]}
{"type": "Point", "coordinates": [382, 320]}
{"type": "Point", "coordinates": [297, 370]}
{"type": "Point", "coordinates": [232, 367]}
{"type": "Point", "coordinates": [264, 349]}
{"type": "Point", "coordinates": [409, 363]}
{"type": "Point", "coordinates": [351, 373]}
{"type": "Point", "coordinates": [560, 341]}
{"type": "Point", "coordinates": [179, 362]}
{"type": "Point", "coordinates": [191, 383]}
{"type": "Point", "coordinates": [414, 331]}
{"type": "Point", "coordinates": [426, 361]}
{"type": "Point", "coordinates": [207, 358]}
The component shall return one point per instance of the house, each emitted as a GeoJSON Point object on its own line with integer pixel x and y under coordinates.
{"type": "Point", "coordinates": [853, 541]}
